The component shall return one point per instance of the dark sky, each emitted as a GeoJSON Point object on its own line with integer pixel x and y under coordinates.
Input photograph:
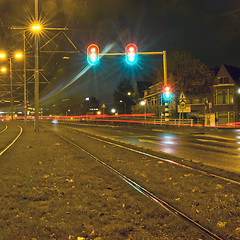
{"type": "Point", "coordinates": [208, 29]}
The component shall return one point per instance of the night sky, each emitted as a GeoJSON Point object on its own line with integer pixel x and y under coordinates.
{"type": "Point", "coordinates": [208, 29]}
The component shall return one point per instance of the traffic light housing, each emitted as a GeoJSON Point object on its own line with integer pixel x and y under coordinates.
{"type": "Point", "coordinates": [93, 54]}
{"type": "Point", "coordinates": [131, 53]}
{"type": "Point", "coordinates": [167, 92]}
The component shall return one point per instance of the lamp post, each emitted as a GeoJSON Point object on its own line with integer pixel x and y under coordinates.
{"type": "Point", "coordinates": [36, 28]}
{"type": "Point", "coordinates": [24, 78]}
{"type": "Point", "coordinates": [144, 103]}
{"type": "Point", "coordinates": [16, 55]}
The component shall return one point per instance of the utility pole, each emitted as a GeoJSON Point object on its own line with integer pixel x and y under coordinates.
{"type": "Point", "coordinates": [37, 29]}
{"type": "Point", "coordinates": [11, 88]}
{"type": "Point", "coordinates": [24, 78]}
{"type": "Point", "coordinates": [36, 75]}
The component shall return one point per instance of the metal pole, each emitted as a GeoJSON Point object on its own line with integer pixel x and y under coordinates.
{"type": "Point", "coordinates": [11, 88]}
{"type": "Point", "coordinates": [165, 67]}
{"type": "Point", "coordinates": [24, 78]}
{"type": "Point", "coordinates": [145, 117]}
{"type": "Point", "coordinates": [165, 83]}
{"type": "Point", "coordinates": [36, 74]}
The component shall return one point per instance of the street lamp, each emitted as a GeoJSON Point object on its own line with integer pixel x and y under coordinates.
{"type": "Point", "coordinates": [113, 110]}
{"type": "Point", "coordinates": [143, 103]}
{"type": "Point", "coordinates": [17, 55]}
{"type": "Point", "coordinates": [2, 55]}
{"type": "Point", "coordinates": [3, 69]}
{"type": "Point", "coordinates": [36, 29]}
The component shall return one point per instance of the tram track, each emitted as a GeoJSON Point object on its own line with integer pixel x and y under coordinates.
{"type": "Point", "coordinates": [144, 191]}
{"type": "Point", "coordinates": [5, 128]}
{"type": "Point", "coordinates": [157, 157]}
{"type": "Point", "coordinates": [11, 135]}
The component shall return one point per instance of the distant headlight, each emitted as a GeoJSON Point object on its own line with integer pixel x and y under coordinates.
{"type": "Point", "coordinates": [55, 121]}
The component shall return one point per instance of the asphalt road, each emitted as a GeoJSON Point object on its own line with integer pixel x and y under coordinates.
{"type": "Point", "coordinates": [217, 148]}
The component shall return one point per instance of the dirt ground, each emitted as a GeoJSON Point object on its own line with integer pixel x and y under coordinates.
{"type": "Point", "coordinates": [51, 190]}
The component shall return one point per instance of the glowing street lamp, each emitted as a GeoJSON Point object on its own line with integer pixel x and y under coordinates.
{"type": "Point", "coordinates": [144, 103]}
{"type": "Point", "coordinates": [36, 27]}
{"type": "Point", "coordinates": [2, 55]}
{"type": "Point", "coordinates": [113, 110]}
{"type": "Point", "coordinates": [3, 69]}
{"type": "Point", "coordinates": [18, 55]}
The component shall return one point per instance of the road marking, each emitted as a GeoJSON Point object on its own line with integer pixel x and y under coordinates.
{"type": "Point", "coordinates": [207, 140]}
{"type": "Point", "coordinates": [147, 141]}
{"type": "Point", "coordinates": [218, 137]}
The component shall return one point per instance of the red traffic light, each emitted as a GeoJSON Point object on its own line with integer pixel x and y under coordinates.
{"type": "Point", "coordinates": [131, 53]}
{"type": "Point", "coordinates": [167, 92]}
{"type": "Point", "coordinates": [93, 54]}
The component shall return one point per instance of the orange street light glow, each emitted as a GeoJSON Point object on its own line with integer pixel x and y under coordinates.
{"type": "Point", "coordinates": [18, 55]}
{"type": "Point", "coordinates": [3, 69]}
{"type": "Point", "coordinates": [36, 27]}
{"type": "Point", "coordinates": [2, 55]}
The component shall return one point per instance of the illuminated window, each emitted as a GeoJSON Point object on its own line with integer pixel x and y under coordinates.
{"type": "Point", "coordinates": [225, 96]}
{"type": "Point", "coordinates": [223, 80]}
{"type": "Point", "coordinates": [153, 101]}
{"type": "Point", "coordinates": [231, 96]}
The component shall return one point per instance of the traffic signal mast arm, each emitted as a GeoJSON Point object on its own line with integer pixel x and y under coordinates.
{"type": "Point", "coordinates": [111, 54]}
{"type": "Point", "coordinates": [131, 52]}
{"type": "Point", "coordinates": [140, 53]}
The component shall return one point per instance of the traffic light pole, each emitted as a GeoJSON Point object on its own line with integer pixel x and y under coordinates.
{"type": "Point", "coordinates": [166, 111]}
{"type": "Point", "coordinates": [165, 83]}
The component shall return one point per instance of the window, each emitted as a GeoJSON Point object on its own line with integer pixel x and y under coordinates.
{"type": "Point", "coordinates": [205, 100]}
{"type": "Point", "coordinates": [231, 96]}
{"type": "Point", "coordinates": [196, 101]}
{"type": "Point", "coordinates": [154, 101]}
{"type": "Point", "coordinates": [221, 97]}
{"type": "Point", "coordinates": [224, 96]}
{"type": "Point", "coordinates": [223, 80]}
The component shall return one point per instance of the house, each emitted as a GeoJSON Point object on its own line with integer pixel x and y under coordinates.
{"type": "Point", "coordinates": [150, 99]}
{"type": "Point", "coordinates": [226, 99]}
{"type": "Point", "coordinates": [221, 105]}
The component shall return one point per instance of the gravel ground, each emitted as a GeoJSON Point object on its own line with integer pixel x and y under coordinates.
{"type": "Point", "coordinates": [52, 190]}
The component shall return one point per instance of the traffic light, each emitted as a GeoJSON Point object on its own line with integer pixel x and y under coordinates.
{"type": "Point", "coordinates": [131, 53]}
{"type": "Point", "coordinates": [167, 92]}
{"type": "Point", "coordinates": [93, 54]}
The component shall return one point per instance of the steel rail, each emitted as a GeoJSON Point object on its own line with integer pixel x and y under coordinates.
{"type": "Point", "coordinates": [14, 140]}
{"type": "Point", "coordinates": [159, 158]}
{"type": "Point", "coordinates": [147, 193]}
{"type": "Point", "coordinates": [4, 129]}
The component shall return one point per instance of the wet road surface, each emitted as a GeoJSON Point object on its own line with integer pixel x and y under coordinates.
{"type": "Point", "coordinates": [218, 148]}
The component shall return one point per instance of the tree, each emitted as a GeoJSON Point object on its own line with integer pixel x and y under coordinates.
{"type": "Point", "coordinates": [188, 74]}
{"type": "Point", "coordinates": [123, 97]}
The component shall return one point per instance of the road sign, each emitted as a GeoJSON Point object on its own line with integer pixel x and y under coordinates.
{"type": "Point", "coordinates": [182, 104]}
{"type": "Point", "coordinates": [182, 97]}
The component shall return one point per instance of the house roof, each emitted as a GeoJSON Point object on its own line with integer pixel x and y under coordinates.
{"type": "Point", "coordinates": [234, 72]}
{"type": "Point", "coordinates": [141, 86]}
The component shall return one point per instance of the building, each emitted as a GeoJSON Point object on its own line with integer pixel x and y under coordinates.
{"type": "Point", "coordinates": [221, 105]}
{"type": "Point", "coordinates": [226, 101]}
